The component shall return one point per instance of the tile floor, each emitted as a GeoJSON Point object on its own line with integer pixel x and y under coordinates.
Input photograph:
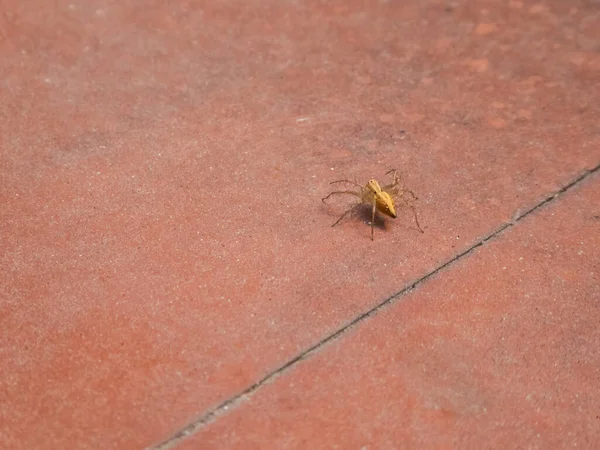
{"type": "Point", "coordinates": [170, 277]}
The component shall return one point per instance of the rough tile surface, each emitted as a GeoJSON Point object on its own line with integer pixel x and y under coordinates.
{"type": "Point", "coordinates": [501, 350]}
{"type": "Point", "coordinates": [163, 243]}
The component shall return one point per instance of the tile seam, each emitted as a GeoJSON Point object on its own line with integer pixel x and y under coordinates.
{"type": "Point", "coordinates": [237, 399]}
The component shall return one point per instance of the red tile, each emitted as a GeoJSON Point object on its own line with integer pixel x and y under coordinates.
{"type": "Point", "coordinates": [163, 241]}
{"type": "Point", "coordinates": [501, 350]}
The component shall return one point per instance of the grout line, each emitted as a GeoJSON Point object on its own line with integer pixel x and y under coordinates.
{"type": "Point", "coordinates": [238, 398]}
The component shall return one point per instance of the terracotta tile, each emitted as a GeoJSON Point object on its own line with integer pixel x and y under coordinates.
{"type": "Point", "coordinates": [163, 241]}
{"type": "Point", "coordinates": [502, 350]}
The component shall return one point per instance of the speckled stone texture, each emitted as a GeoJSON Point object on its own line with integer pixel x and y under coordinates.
{"type": "Point", "coordinates": [164, 247]}
{"type": "Point", "coordinates": [499, 351]}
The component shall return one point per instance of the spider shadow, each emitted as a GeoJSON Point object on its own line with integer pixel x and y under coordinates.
{"type": "Point", "coordinates": [365, 213]}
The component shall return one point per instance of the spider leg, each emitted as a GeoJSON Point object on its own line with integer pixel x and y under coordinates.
{"type": "Point", "coordinates": [347, 181]}
{"type": "Point", "coordinates": [340, 192]}
{"type": "Point", "coordinates": [416, 218]}
{"type": "Point", "coordinates": [345, 214]}
{"type": "Point", "coordinates": [394, 183]}
{"type": "Point", "coordinates": [373, 218]}
{"type": "Point", "coordinates": [356, 194]}
{"type": "Point", "coordinates": [411, 193]}
{"type": "Point", "coordinates": [406, 202]}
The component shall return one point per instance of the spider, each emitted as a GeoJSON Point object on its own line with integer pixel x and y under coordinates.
{"type": "Point", "coordinates": [381, 198]}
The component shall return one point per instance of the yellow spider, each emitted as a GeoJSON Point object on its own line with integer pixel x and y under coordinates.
{"type": "Point", "coordinates": [380, 198]}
